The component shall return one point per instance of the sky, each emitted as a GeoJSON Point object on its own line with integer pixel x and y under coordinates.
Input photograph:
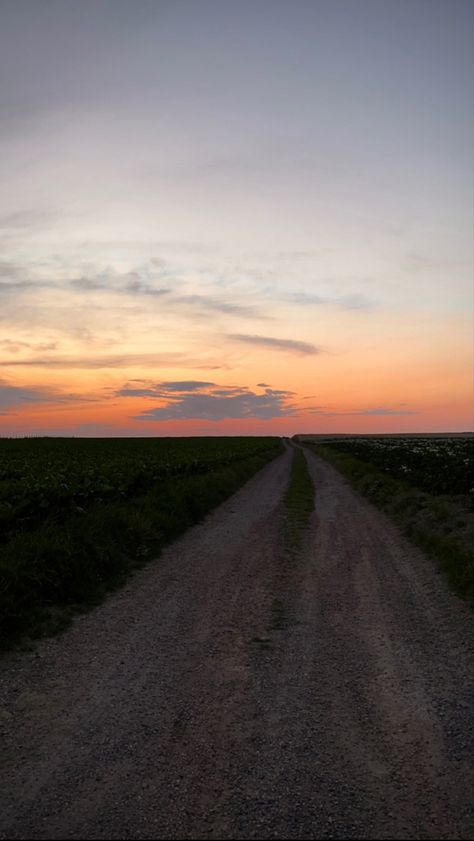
{"type": "Point", "coordinates": [223, 217]}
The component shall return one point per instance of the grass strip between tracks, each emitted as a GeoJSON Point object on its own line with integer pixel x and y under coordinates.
{"type": "Point", "coordinates": [437, 524]}
{"type": "Point", "coordinates": [299, 501]}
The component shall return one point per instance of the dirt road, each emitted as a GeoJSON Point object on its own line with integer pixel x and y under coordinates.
{"type": "Point", "coordinates": [232, 690]}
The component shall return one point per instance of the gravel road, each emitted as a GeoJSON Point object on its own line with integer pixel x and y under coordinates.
{"type": "Point", "coordinates": [235, 690]}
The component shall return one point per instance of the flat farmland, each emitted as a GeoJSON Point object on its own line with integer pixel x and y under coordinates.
{"type": "Point", "coordinates": [289, 667]}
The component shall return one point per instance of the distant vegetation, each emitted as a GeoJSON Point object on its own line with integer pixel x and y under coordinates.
{"type": "Point", "coordinates": [76, 515]}
{"type": "Point", "coordinates": [425, 484]}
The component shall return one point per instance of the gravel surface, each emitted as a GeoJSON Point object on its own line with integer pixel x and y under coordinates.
{"type": "Point", "coordinates": [235, 690]}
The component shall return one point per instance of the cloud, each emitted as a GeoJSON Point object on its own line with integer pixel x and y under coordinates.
{"type": "Point", "coordinates": [11, 395]}
{"type": "Point", "coordinates": [301, 348]}
{"type": "Point", "coordinates": [16, 347]}
{"type": "Point", "coordinates": [137, 287]}
{"type": "Point", "coordinates": [89, 284]}
{"type": "Point", "coordinates": [379, 411]}
{"type": "Point", "coordinates": [12, 278]}
{"type": "Point", "coordinates": [344, 302]}
{"type": "Point", "coordinates": [125, 361]}
{"type": "Point", "coordinates": [164, 389]}
{"type": "Point", "coordinates": [9, 270]}
{"type": "Point", "coordinates": [208, 303]}
{"type": "Point", "coordinates": [207, 401]}
{"type": "Point", "coordinates": [132, 283]}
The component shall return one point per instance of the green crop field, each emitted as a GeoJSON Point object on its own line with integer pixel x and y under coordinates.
{"type": "Point", "coordinates": [76, 515]}
{"type": "Point", "coordinates": [437, 466]}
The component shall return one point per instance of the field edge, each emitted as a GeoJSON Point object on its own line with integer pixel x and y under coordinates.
{"type": "Point", "coordinates": [428, 521]}
{"type": "Point", "coordinates": [49, 576]}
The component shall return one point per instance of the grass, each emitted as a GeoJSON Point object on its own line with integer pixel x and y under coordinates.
{"type": "Point", "coordinates": [49, 573]}
{"type": "Point", "coordinates": [299, 502]}
{"type": "Point", "coordinates": [437, 524]}
{"type": "Point", "coordinates": [299, 505]}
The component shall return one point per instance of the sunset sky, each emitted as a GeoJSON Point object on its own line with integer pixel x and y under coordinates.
{"type": "Point", "coordinates": [223, 217]}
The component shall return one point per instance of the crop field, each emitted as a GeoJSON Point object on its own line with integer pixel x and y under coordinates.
{"type": "Point", "coordinates": [437, 466]}
{"type": "Point", "coordinates": [425, 484]}
{"type": "Point", "coordinates": [77, 514]}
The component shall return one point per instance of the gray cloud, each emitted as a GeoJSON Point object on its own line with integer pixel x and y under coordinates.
{"type": "Point", "coordinates": [11, 395]}
{"type": "Point", "coordinates": [220, 403]}
{"type": "Point", "coordinates": [89, 284]}
{"type": "Point", "coordinates": [12, 278]}
{"type": "Point", "coordinates": [137, 287]}
{"type": "Point", "coordinates": [9, 270]}
{"type": "Point", "coordinates": [7, 286]}
{"type": "Point", "coordinates": [302, 348]}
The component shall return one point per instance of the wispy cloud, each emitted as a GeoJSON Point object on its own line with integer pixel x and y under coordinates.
{"type": "Point", "coordinates": [124, 361]}
{"type": "Point", "coordinates": [12, 278]}
{"type": "Point", "coordinates": [163, 389]}
{"type": "Point", "coordinates": [138, 287]}
{"type": "Point", "coordinates": [127, 283]}
{"type": "Point", "coordinates": [205, 302]}
{"type": "Point", "coordinates": [89, 284]}
{"type": "Point", "coordinates": [291, 345]}
{"type": "Point", "coordinates": [378, 411]}
{"type": "Point", "coordinates": [139, 283]}
{"type": "Point", "coordinates": [11, 346]}
{"type": "Point", "coordinates": [354, 301]}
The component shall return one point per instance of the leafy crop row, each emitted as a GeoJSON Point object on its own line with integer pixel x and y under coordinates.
{"type": "Point", "coordinates": [77, 514]}
{"type": "Point", "coordinates": [48, 480]}
{"type": "Point", "coordinates": [442, 466]}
